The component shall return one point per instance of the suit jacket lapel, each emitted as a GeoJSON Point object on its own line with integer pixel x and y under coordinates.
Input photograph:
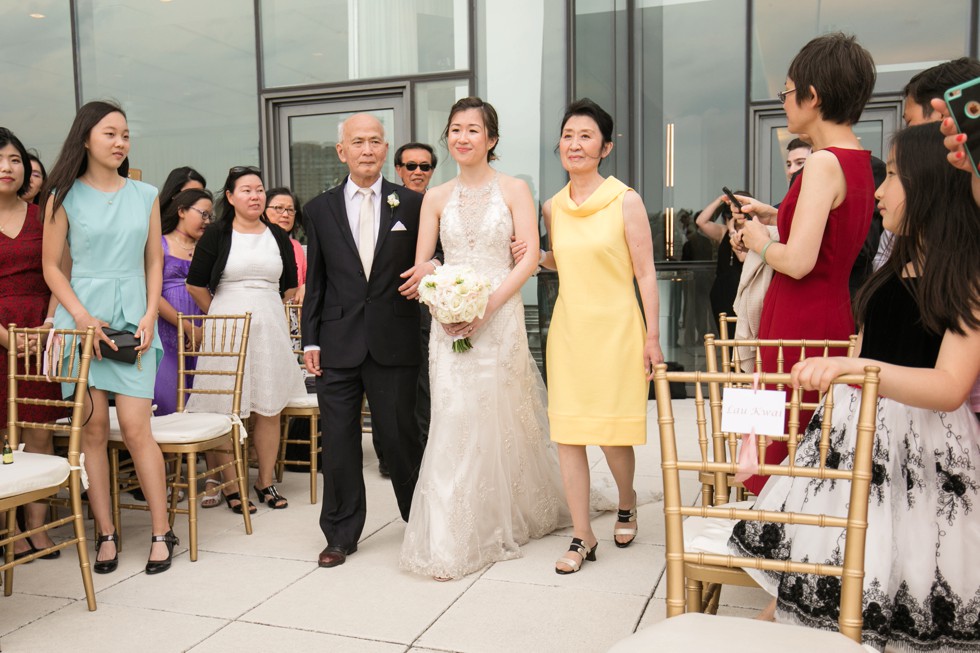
{"type": "Point", "coordinates": [387, 215]}
{"type": "Point", "coordinates": [339, 208]}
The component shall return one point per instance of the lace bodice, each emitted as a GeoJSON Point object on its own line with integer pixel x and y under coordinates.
{"type": "Point", "coordinates": [476, 228]}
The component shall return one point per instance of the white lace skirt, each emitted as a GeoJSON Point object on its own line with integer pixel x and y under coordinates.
{"type": "Point", "coordinates": [922, 581]}
{"type": "Point", "coordinates": [272, 373]}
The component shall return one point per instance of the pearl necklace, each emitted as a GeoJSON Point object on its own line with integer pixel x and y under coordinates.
{"type": "Point", "coordinates": [188, 250]}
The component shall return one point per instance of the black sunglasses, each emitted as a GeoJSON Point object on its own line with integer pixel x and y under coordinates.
{"type": "Point", "coordinates": [240, 169]}
{"type": "Point", "coordinates": [412, 166]}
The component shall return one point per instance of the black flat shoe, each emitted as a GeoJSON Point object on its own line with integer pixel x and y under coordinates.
{"type": "Point", "coordinates": [106, 566]}
{"type": "Point", "coordinates": [24, 554]}
{"type": "Point", "coordinates": [160, 566]}
{"type": "Point", "coordinates": [54, 555]}
{"type": "Point", "coordinates": [270, 496]}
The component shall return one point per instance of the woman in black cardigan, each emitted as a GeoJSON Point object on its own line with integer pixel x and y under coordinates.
{"type": "Point", "coordinates": [244, 263]}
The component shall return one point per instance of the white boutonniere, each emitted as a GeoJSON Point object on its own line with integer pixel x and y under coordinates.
{"type": "Point", "coordinates": [393, 200]}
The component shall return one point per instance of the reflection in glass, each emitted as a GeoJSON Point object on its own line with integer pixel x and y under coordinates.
{"type": "Point", "coordinates": [432, 103]}
{"type": "Point", "coordinates": [185, 74]}
{"type": "Point", "coordinates": [38, 99]}
{"type": "Point", "coordinates": [313, 162]}
{"type": "Point", "coordinates": [318, 41]}
{"type": "Point", "coordinates": [914, 39]}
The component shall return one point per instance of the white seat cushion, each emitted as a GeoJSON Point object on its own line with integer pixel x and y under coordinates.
{"type": "Point", "coordinates": [703, 632]}
{"type": "Point", "coordinates": [303, 401]}
{"type": "Point", "coordinates": [710, 535]}
{"type": "Point", "coordinates": [30, 472]}
{"type": "Point", "coordinates": [180, 428]}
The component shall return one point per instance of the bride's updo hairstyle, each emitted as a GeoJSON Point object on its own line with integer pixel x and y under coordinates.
{"type": "Point", "coordinates": [601, 117]}
{"type": "Point", "coordinates": [489, 121]}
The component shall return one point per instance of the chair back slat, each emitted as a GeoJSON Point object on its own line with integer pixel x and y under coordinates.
{"type": "Point", "coordinates": [224, 337]}
{"type": "Point", "coordinates": [294, 321]}
{"type": "Point", "coordinates": [851, 571]}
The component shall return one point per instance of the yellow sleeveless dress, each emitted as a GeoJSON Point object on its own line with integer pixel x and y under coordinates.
{"type": "Point", "coordinates": [597, 389]}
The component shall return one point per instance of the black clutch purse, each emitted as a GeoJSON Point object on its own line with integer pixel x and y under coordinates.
{"type": "Point", "coordinates": [126, 342]}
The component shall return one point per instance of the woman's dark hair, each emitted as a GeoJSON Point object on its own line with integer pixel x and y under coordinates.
{"type": "Point", "coordinates": [224, 212]}
{"type": "Point", "coordinates": [7, 138]}
{"type": "Point", "coordinates": [282, 190]}
{"type": "Point", "coordinates": [841, 71]}
{"type": "Point", "coordinates": [170, 218]}
{"type": "Point", "coordinates": [36, 158]}
{"type": "Point", "coordinates": [73, 159]}
{"type": "Point", "coordinates": [175, 181]}
{"type": "Point", "coordinates": [588, 108]}
{"type": "Point", "coordinates": [490, 122]}
{"type": "Point", "coordinates": [940, 235]}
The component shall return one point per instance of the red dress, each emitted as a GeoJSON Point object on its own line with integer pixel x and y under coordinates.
{"type": "Point", "coordinates": [24, 301]}
{"type": "Point", "coordinates": [818, 306]}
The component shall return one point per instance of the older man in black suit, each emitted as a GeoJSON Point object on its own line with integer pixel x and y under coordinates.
{"type": "Point", "coordinates": [360, 333]}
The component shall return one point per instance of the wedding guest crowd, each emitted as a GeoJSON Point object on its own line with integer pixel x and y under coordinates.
{"type": "Point", "coordinates": [493, 458]}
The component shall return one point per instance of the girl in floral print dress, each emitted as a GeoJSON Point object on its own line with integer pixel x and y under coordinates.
{"type": "Point", "coordinates": [920, 323]}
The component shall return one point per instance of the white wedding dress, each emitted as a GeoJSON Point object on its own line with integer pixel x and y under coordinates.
{"type": "Point", "coordinates": [489, 479]}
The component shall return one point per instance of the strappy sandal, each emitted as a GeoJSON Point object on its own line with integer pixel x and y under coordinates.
{"type": "Point", "coordinates": [626, 517]}
{"type": "Point", "coordinates": [210, 500]}
{"type": "Point", "coordinates": [237, 509]}
{"type": "Point", "coordinates": [586, 553]}
{"type": "Point", "coordinates": [270, 496]}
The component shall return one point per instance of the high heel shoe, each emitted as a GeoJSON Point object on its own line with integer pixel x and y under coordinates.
{"type": "Point", "coordinates": [270, 496]}
{"type": "Point", "coordinates": [106, 566]}
{"type": "Point", "coordinates": [160, 566]}
{"type": "Point", "coordinates": [586, 552]}
{"type": "Point", "coordinates": [626, 517]}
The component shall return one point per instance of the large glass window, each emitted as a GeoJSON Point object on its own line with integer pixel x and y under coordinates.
{"type": "Point", "coordinates": [38, 100]}
{"type": "Point", "coordinates": [432, 103]}
{"type": "Point", "coordinates": [185, 74]}
{"type": "Point", "coordinates": [903, 36]}
{"type": "Point", "coordinates": [322, 41]}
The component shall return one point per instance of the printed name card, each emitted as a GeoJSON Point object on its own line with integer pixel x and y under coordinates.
{"type": "Point", "coordinates": [743, 409]}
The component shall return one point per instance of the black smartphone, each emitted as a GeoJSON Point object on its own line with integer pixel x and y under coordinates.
{"type": "Point", "coordinates": [731, 197]}
{"type": "Point", "coordinates": [964, 106]}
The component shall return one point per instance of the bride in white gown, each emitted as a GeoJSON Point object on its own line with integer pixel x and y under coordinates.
{"type": "Point", "coordinates": [488, 482]}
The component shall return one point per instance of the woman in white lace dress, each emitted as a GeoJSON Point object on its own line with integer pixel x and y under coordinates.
{"type": "Point", "coordinates": [242, 264]}
{"type": "Point", "coordinates": [488, 482]}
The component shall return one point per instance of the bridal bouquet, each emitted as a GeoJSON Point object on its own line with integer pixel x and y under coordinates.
{"type": "Point", "coordinates": [455, 293]}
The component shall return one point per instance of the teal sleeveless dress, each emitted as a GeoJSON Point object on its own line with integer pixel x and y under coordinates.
{"type": "Point", "coordinates": [107, 235]}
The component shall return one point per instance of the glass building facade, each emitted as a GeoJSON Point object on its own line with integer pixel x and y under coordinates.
{"type": "Point", "coordinates": [691, 84]}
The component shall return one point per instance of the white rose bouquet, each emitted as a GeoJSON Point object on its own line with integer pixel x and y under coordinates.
{"type": "Point", "coordinates": [455, 293]}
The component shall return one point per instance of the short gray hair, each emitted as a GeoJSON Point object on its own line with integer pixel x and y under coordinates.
{"type": "Point", "coordinates": [340, 130]}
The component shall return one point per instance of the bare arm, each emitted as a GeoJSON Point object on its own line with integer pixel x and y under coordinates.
{"type": "Point", "coordinates": [549, 256]}
{"type": "Point", "coordinates": [707, 225]}
{"type": "Point", "coordinates": [518, 198]}
{"type": "Point", "coordinates": [425, 247]}
{"type": "Point", "coordinates": [944, 387]}
{"type": "Point", "coordinates": [201, 297]}
{"type": "Point", "coordinates": [153, 262]}
{"type": "Point", "coordinates": [640, 242]}
{"type": "Point", "coordinates": [823, 189]}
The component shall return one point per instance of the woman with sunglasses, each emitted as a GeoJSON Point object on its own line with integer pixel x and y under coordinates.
{"type": "Point", "coordinates": [244, 263]}
{"type": "Point", "coordinates": [282, 208]}
{"type": "Point", "coordinates": [825, 216]}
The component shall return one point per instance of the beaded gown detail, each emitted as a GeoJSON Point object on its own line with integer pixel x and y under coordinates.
{"type": "Point", "coordinates": [489, 479]}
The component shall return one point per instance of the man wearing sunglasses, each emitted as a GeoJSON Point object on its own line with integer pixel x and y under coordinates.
{"type": "Point", "coordinates": [415, 163]}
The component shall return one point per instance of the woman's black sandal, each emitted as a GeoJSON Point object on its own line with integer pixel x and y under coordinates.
{"type": "Point", "coordinates": [237, 509]}
{"type": "Point", "coordinates": [160, 566]}
{"type": "Point", "coordinates": [625, 517]}
{"type": "Point", "coordinates": [577, 546]}
{"type": "Point", "coordinates": [270, 496]}
{"type": "Point", "coordinates": [106, 566]}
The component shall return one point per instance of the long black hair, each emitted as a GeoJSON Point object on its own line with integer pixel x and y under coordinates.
{"type": "Point", "coordinates": [185, 199]}
{"type": "Point", "coordinates": [175, 182]}
{"type": "Point", "coordinates": [940, 235]}
{"type": "Point", "coordinates": [224, 211]}
{"type": "Point", "coordinates": [35, 158]}
{"type": "Point", "coordinates": [7, 138]}
{"type": "Point", "coordinates": [73, 160]}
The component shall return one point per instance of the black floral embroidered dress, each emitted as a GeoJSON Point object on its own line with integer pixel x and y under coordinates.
{"type": "Point", "coordinates": [922, 580]}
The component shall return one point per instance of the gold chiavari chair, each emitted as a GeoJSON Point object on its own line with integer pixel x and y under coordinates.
{"type": "Point", "coordinates": [680, 629]}
{"type": "Point", "coordinates": [34, 477]}
{"type": "Point", "coordinates": [302, 406]}
{"type": "Point", "coordinates": [185, 435]}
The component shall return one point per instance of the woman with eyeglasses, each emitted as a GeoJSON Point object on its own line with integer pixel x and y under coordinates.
{"type": "Point", "coordinates": [825, 216]}
{"type": "Point", "coordinates": [282, 208]}
{"type": "Point", "coordinates": [244, 263]}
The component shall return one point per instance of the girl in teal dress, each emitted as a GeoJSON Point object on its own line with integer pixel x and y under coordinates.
{"type": "Point", "coordinates": [109, 228]}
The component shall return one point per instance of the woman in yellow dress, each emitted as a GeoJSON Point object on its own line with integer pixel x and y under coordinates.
{"type": "Point", "coordinates": [600, 352]}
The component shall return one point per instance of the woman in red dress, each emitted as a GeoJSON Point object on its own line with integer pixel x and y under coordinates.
{"type": "Point", "coordinates": [25, 301]}
{"type": "Point", "coordinates": [825, 216]}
